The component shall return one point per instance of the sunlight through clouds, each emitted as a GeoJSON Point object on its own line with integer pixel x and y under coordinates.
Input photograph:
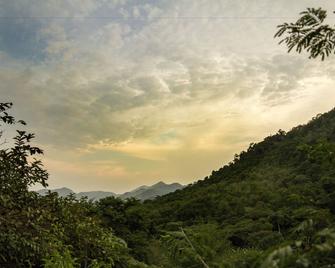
{"type": "Point", "coordinates": [142, 88]}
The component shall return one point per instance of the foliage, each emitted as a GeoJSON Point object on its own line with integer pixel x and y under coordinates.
{"type": "Point", "coordinates": [126, 218]}
{"type": "Point", "coordinates": [312, 249]}
{"type": "Point", "coordinates": [57, 260]}
{"type": "Point", "coordinates": [252, 206]}
{"type": "Point", "coordinates": [47, 231]}
{"type": "Point", "coordinates": [309, 33]}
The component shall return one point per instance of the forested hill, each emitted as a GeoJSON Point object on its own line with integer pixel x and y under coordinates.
{"type": "Point", "coordinates": [277, 176]}
{"type": "Point", "coordinates": [253, 205]}
{"type": "Point", "coordinates": [257, 201]}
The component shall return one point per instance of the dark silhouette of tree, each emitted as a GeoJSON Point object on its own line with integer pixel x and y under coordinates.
{"type": "Point", "coordinates": [309, 33]}
{"type": "Point", "coordinates": [46, 231]}
{"type": "Point", "coordinates": [18, 169]}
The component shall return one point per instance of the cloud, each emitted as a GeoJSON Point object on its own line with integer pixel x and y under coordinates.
{"type": "Point", "coordinates": [51, 8]}
{"type": "Point", "coordinates": [154, 84]}
{"type": "Point", "coordinates": [81, 105]}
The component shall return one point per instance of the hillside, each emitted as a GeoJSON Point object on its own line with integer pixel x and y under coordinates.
{"type": "Point", "coordinates": [252, 205]}
{"type": "Point", "coordinates": [283, 169]}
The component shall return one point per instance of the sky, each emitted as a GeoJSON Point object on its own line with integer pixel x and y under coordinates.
{"type": "Point", "coordinates": [122, 93]}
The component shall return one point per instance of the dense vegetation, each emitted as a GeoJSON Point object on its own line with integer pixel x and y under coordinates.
{"type": "Point", "coordinates": [272, 206]}
{"type": "Point", "coordinates": [47, 231]}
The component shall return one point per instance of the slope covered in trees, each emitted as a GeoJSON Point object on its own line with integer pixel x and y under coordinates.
{"type": "Point", "coordinates": [273, 205]}
{"type": "Point", "coordinates": [285, 163]}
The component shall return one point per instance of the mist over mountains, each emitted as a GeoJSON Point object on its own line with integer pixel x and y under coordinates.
{"type": "Point", "coordinates": [143, 192]}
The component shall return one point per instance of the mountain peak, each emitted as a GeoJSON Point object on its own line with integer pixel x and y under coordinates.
{"type": "Point", "coordinates": [160, 183]}
{"type": "Point", "coordinates": [64, 191]}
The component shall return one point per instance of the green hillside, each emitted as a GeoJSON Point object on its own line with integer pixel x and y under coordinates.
{"type": "Point", "coordinates": [294, 169]}
{"type": "Point", "coordinates": [245, 210]}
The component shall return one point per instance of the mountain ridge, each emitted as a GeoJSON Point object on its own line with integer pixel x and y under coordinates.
{"type": "Point", "coordinates": [143, 192]}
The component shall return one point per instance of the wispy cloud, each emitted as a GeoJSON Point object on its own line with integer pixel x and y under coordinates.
{"type": "Point", "coordinates": [158, 83]}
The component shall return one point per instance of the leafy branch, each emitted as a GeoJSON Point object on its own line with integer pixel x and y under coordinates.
{"type": "Point", "coordinates": [309, 33]}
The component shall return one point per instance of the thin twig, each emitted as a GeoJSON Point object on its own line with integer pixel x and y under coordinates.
{"type": "Point", "coordinates": [191, 245]}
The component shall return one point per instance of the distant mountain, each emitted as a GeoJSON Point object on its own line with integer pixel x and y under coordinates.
{"type": "Point", "coordinates": [135, 192]}
{"type": "Point", "coordinates": [150, 192]}
{"type": "Point", "coordinates": [95, 195]}
{"type": "Point", "coordinates": [142, 193]}
{"type": "Point", "coordinates": [60, 191]}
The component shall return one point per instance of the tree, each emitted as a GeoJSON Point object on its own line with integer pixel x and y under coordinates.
{"type": "Point", "coordinates": [18, 213]}
{"type": "Point", "coordinates": [47, 231]}
{"type": "Point", "coordinates": [18, 171]}
{"type": "Point", "coordinates": [309, 33]}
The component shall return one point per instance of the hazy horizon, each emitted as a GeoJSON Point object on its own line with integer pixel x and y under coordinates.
{"type": "Point", "coordinates": [122, 94]}
{"type": "Point", "coordinates": [39, 188]}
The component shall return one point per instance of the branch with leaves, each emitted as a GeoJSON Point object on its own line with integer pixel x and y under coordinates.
{"type": "Point", "coordinates": [309, 33]}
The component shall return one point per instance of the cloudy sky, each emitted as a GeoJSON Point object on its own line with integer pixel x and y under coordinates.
{"type": "Point", "coordinates": [122, 92]}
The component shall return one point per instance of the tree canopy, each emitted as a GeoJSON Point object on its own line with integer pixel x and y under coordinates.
{"type": "Point", "coordinates": [47, 231]}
